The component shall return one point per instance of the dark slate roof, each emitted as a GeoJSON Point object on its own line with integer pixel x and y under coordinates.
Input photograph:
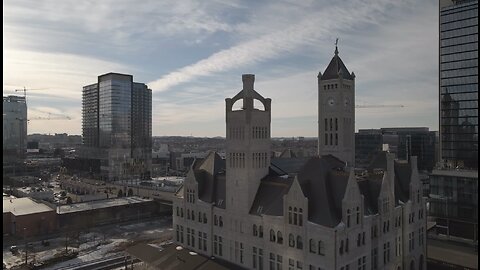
{"type": "Point", "coordinates": [336, 67]}
{"type": "Point", "coordinates": [169, 258]}
{"type": "Point", "coordinates": [403, 172]}
{"type": "Point", "coordinates": [290, 165]}
{"type": "Point", "coordinates": [370, 189]}
{"type": "Point", "coordinates": [287, 153]}
{"type": "Point", "coordinates": [323, 182]}
{"type": "Point", "coordinates": [269, 197]}
{"type": "Point", "coordinates": [210, 176]}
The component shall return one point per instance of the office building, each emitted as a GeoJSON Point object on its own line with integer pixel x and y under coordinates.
{"type": "Point", "coordinates": [403, 142]}
{"type": "Point", "coordinates": [117, 127]}
{"type": "Point", "coordinates": [14, 128]}
{"type": "Point", "coordinates": [245, 211]}
{"type": "Point", "coordinates": [454, 183]}
{"type": "Point", "coordinates": [459, 83]}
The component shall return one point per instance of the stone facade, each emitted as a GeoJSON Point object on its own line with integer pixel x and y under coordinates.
{"type": "Point", "coordinates": [256, 215]}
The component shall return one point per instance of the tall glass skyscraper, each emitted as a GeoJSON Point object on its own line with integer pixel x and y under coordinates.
{"type": "Point", "coordinates": [117, 125]}
{"type": "Point", "coordinates": [454, 185]}
{"type": "Point", "coordinates": [459, 82]}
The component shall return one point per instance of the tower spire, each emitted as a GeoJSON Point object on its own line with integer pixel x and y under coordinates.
{"type": "Point", "coordinates": [336, 48]}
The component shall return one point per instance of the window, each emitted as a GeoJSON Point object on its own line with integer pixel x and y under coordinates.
{"type": "Point", "coordinates": [299, 242]}
{"type": "Point", "coordinates": [181, 234]}
{"type": "Point", "coordinates": [313, 246]}
{"type": "Point", "coordinates": [362, 263]}
{"type": "Point", "coordinates": [291, 240]}
{"type": "Point", "coordinates": [295, 216]}
{"type": "Point", "coordinates": [359, 239]}
{"type": "Point", "coordinates": [336, 124]}
{"type": "Point", "coordinates": [326, 124]}
{"type": "Point", "coordinates": [272, 235]}
{"type": "Point", "coordinates": [374, 259]}
{"type": "Point", "coordinates": [220, 221]}
{"type": "Point", "coordinates": [348, 218]}
{"type": "Point", "coordinates": [291, 264]}
{"type": "Point", "coordinates": [241, 252]}
{"type": "Point", "coordinates": [272, 261]}
{"type": "Point", "coordinates": [204, 218]}
{"type": "Point", "coordinates": [290, 215]}
{"type": "Point", "coordinates": [321, 248]}
{"type": "Point", "coordinates": [346, 245]}
{"type": "Point", "coordinates": [331, 126]}
{"type": "Point", "coordinates": [279, 237]}
{"type": "Point", "coordinates": [177, 232]}
{"type": "Point", "coordinates": [340, 249]}
{"type": "Point", "coordinates": [255, 232]}
{"type": "Point", "coordinates": [260, 231]}
{"type": "Point", "coordinates": [300, 217]}
{"type": "Point", "coordinates": [200, 242]}
{"type": "Point", "coordinates": [386, 252]}
{"type": "Point", "coordinates": [215, 220]}
{"type": "Point", "coordinates": [336, 139]}
{"type": "Point", "coordinates": [358, 215]}
{"type": "Point", "coordinates": [254, 258]}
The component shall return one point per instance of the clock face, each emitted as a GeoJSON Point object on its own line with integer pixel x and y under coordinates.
{"type": "Point", "coordinates": [331, 102]}
{"type": "Point", "coordinates": [347, 102]}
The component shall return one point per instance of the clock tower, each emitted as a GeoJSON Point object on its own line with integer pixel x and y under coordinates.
{"type": "Point", "coordinates": [336, 111]}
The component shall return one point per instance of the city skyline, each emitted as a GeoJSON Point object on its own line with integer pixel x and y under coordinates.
{"type": "Point", "coordinates": [191, 55]}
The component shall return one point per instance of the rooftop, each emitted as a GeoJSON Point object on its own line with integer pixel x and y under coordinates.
{"type": "Point", "coordinates": [23, 206]}
{"type": "Point", "coordinates": [172, 257]}
{"type": "Point", "coordinates": [98, 204]}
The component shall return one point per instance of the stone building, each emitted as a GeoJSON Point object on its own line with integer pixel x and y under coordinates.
{"type": "Point", "coordinates": [257, 216]}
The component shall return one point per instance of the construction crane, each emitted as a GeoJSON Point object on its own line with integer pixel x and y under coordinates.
{"type": "Point", "coordinates": [29, 89]}
{"type": "Point", "coordinates": [57, 115]}
{"type": "Point", "coordinates": [379, 106]}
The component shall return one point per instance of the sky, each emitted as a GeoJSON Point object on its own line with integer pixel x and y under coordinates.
{"type": "Point", "coordinates": [192, 55]}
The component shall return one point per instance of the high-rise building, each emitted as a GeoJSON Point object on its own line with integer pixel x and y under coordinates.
{"type": "Point", "coordinates": [117, 126]}
{"type": "Point", "coordinates": [459, 82]}
{"type": "Point", "coordinates": [14, 128]}
{"type": "Point", "coordinates": [403, 142]}
{"type": "Point", "coordinates": [454, 183]}
{"type": "Point", "coordinates": [254, 214]}
{"type": "Point", "coordinates": [336, 111]}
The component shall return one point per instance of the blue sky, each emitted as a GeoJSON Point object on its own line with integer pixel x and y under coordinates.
{"type": "Point", "coordinates": [192, 55]}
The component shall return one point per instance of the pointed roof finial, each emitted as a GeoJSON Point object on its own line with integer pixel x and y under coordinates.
{"type": "Point", "coordinates": [336, 48]}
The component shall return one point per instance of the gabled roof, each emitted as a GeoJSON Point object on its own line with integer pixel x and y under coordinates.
{"type": "Point", "coordinates": [210, 176]}
{"type": "Point", "coordinates": [335, 68]}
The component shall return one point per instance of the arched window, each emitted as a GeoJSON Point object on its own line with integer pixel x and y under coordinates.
{"type": "Point", "coordinates": [299, 242]}
{"type": "Point", "coordinates": [220, 221]}
{"type": "Point", "coordinates": [204, 218]}
{"type": "Point", "coordinates": [279, 237]}
{"type": "Point", "coordinates": [313, 246]}
{"type": "Point", "coordinates": [291, 240]}
{"type": "Point", "coordinates": [260, 231]}
{"type": "Point", "coordinates": [272, 235]}
{"type": "Point", "coordinates": [295, 216]}
{"type": "Point", "coordinates": [255, 232]}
